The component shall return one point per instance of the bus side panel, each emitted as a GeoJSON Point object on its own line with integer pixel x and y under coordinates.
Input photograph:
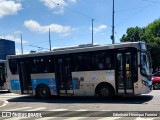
{"type": "Point", "coordinates": [14, 84]}
{"type": "Point", "coordinates": [84, 83]}
{"type": "Point", "coordinates": [44, 78]}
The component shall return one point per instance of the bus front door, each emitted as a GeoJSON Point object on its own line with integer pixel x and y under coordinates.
{"type": "Point", "coordinates": [25, 78]}
{"type": "Point", "coordinates": [63, 76]}
{"type": "Point", "coordinates": [124, 71]}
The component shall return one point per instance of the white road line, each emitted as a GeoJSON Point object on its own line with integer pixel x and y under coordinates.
{"type": "Point", "coordinates": [82, 110]}
{"type": "Point", "coordinates": [36, 109]}
{"type": "Point", "coordinates": [46, 118]}
{"type": "Point", "coordinates": [140, 118]}
{"type": "Point", "coordinates": [16, 109]}
{"type": "Point", "coordinates": [87, 115]}
{"type": "Point", "coordinates": [10, 95]}
{"type": "Point", "coordinates": [70, 113]}
{"type": "Point", "coordinates": [63, 114]}
{"type": "Point", "coordinates": [75, 118]}
{"type": "Point", "coordinates": [110, 118]}
{"type": "Point", "coordinates": [49, 118]}
{"type": "Point", "coordinates": [4, 104]}
{"type": "Point", "coordinates": [14, 118]}
{"type": "Point", "coordinates": [60, 109]}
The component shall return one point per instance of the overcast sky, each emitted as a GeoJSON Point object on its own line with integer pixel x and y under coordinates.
{"type": "Point", "coordinates": [70, 21]}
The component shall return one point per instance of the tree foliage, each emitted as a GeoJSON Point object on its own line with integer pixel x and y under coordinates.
{"type": "Point", "coordinates": [149, 34]}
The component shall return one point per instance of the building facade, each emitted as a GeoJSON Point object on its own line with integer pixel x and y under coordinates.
{"type": "Point", "coordinates": [7, 47]}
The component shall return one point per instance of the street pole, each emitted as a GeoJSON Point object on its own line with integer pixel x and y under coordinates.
{"type": "Point", "coordinates": [21, 45]}
{"type": "Point", "coordinates": [112, 36]}
{"type": "Point", "coordinates": [92, 31]}
{"type": "Point", "coordinates": [49, 40]}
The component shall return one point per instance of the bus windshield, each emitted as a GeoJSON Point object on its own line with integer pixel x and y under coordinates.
{"type": "Point", "coordinates": [145, 64]}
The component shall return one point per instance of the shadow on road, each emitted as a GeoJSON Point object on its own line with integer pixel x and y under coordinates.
{"type": "Point", "coordinates": [69, 100]}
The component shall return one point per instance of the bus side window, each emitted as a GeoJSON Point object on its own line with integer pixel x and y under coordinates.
{"type": "Point", "coordinates": [34, 67]}
{"type": "Point", "coordinates": [75, 63]}
{"type": "Point", "coordinates": [13, 66]}
{"type": "Point", "coordinates": [101, 65]}
{"type": "Point", "coordinates": [50, 64]}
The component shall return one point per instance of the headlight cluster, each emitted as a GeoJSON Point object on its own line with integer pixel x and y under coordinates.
{"type": "Point", "coordinates": [145, 83]}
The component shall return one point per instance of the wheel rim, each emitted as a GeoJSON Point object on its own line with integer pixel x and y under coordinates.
{"type": "Point", "coordinates": [104, 92]}
{"type": "Point", "coordinates": [43, 92]}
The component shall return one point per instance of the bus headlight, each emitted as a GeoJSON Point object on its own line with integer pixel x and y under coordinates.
{"type": "Point", "coordinates": [145, 83]}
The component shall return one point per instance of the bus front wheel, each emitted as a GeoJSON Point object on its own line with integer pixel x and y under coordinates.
{"type": "Point", "coordinates": [106, 91]}
{"type": "Point", "coordinates": [43, 92]}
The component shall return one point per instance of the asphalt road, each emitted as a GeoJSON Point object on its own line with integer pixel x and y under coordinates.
{"type": "Point", "coordinates": [75, 108]}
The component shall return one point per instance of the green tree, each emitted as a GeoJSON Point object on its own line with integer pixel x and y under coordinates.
{"type": "Point", "coordinates": [132, 34]}
{"type": "Point", "coordinates": [149, 34]}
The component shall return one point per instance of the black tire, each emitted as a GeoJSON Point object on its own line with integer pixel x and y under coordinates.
{"type": "Point", "coordinates": [156, 86]}
{"type": "Point", "coordinates": [106, 91]}
{"type": "Point", "coordinates": [43, 92]}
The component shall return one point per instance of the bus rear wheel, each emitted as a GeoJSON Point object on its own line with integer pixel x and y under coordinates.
{"type": "Point", "coordinates": [43, 92]}
{"type": "Point", "coordinates": [106, 91]}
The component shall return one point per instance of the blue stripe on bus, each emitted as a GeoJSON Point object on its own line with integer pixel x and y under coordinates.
{"type": "Point", "coordinates": [15, 84]}
{"type": "Point", "coordinates": [50, 82]}
{"type": "Point", "coordinates": [76, 83]}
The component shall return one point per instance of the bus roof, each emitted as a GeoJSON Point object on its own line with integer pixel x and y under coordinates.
{"type": "Point", "coordinates": [80, 48]}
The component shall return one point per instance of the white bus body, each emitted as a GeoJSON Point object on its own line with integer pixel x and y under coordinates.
{"type": "Point", "coordinates": [77, 71]}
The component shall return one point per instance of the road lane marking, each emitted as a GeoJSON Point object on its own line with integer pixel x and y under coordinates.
{"type": "Point", "coordinates": [81, 110]}
{"type": "Point", "coordinates": [75, 118]}
{"type": "Point", "coordinates": [60, 109]}
{"type": "Point", "coordinates": [5, 103]}
{"type": "Point", "coordinates": [140, 118]}
{"type": "Point", "coordinates": [46, 118]}
{"type": "Point", "coordinates": [9, 96]}
{"type": "Point", "coordinates": [22, 108]}
{"type": "Point", "coordinates": [70, 113]}
{"type": "Point", "coordinates": [93, 113]}
{"type": "Point", "coordinates": [36, 109]}
{"type": "Point", "coordinates": [14, 118]}
{"type": "Point", "coordinates": [54, 110]}
{"type": "Point", "coordinates": [110, 118]}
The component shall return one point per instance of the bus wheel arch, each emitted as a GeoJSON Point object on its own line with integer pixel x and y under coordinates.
{"type": "Point", "coordinates": [43, 91]}
{"type": "Point", "coordinates": [105, 90]}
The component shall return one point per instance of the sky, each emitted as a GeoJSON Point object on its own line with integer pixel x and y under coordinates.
{"type": "Point", "coordinates": [70, 21]}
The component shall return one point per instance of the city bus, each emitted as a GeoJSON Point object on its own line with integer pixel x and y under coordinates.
{"type": "Point", "coordinates": [84, 70]}
{"type": "Point", "coordinates": [2, 74]}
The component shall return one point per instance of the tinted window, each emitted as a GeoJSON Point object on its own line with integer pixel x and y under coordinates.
{"type": "Point", "coordinates": [90, 61]}
{"type": "Point", "coordinates": [13, 66]}
{"type": "Point", "coordinates": [43, 64]}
